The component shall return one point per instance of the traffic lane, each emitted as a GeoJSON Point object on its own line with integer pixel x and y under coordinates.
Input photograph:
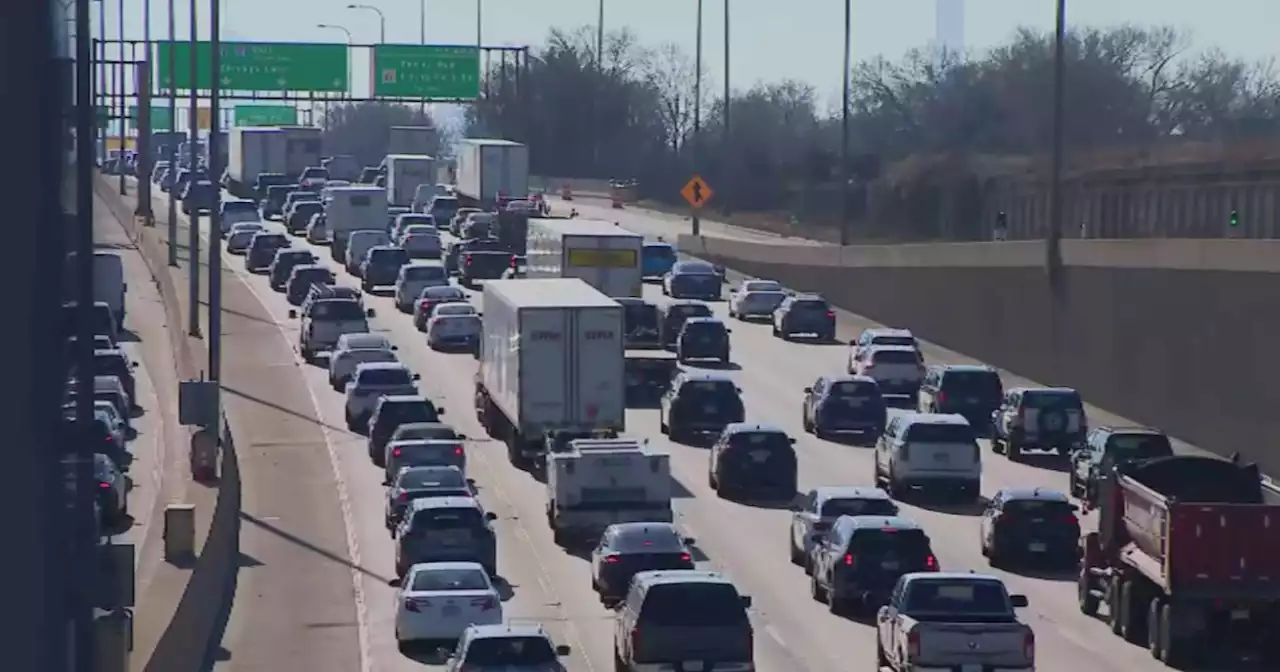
{"type": "Point", "coordinates": [660, 224]}
{"type": "Point", "coordinates": [530, 569]}
{"type": "Point", "coordinates": [295, 593]}
{"type": "Point", "coordinates": [772, 376]}
{"type": "Point", "coordinates": [567, 575]}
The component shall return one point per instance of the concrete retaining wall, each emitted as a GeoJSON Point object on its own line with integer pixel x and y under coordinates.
{"type": "Point", "coordinates": [1179, 334]}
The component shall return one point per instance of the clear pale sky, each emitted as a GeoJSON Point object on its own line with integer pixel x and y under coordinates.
{"type": "Point", "coordinates": [770, 40]}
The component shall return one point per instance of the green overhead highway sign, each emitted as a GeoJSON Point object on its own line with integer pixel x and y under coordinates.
{"type": "Point", "coordinates": [416, 71]}
{"type": "Point", "coordinates": [266, 115]}
{"type": "Point", "coordinates": [257, 66]}
{"type": "Point", "coordinates": [160, 118]}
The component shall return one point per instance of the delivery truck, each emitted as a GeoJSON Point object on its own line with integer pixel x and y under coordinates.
{"type": "Point", "coordinates": [413, 140]}
{"type": "Point", "coordinates": [1186, 559]}
{"type": "Point", "coordinates": [302, 149]}
{"type": "Point", "coordinates": [349, 209]}
{"type": "Point", "coordinates": [600, 253]}
{"type": "Point", "coordinates": [491, 172]}
{"type": "Point", "coordinates": [252, 151]}
{"type": "Point", "coordinates": [595, 483]}
{"type": "Point", "coordinates": [550, 364]}
{"type": "Point", "coordinates": [405, 172]}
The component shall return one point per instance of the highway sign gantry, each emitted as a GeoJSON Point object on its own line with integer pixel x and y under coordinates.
{"type": "Point", "coordinates": [697, 192]}
{"type": "Point", "coordinates": [257, 66]}
{"type": "Point", "coordinates": [266, 115]}
{"type": "Point", "coordinates": [425, 71]}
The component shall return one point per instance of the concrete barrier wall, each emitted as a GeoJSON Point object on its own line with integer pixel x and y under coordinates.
{"type": "Point", "coordinates": [1179, 334]}
{"type": "Point", "coordinates": [194, 635]}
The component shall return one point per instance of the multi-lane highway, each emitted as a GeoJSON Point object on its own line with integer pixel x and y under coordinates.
{"type": "Point", "coordinates": [316, 504]}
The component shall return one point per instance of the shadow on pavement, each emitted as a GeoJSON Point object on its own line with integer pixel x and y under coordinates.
{"type": "Point", "coordinates": [287, 536]}
{"type": "Point", "coordinates": [282, 409]}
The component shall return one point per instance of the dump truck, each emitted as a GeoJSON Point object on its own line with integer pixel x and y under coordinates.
{"type": "Point", "coordinates": [1186, 559]}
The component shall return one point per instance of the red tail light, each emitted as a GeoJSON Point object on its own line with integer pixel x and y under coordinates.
{"type": "Point", "coordinates": [425, 305]}
{"type": "Point", "coordinates": [611, 559]}
{"type": "Point", "coordinates": [403, 498]}
{"type": "Point", "coordinates": [513, 261]}
{"type": "Point", "coordinates": [848, 559]}
{"type": "Point", "coordinates": [1029, 645]}
{"type": "Point", "coordinates": [458, 450]}
{"type": "Point", "coordinates": [1071, 519]}
{"type": "Point", "coordinates": [104, 486]}
{"type": "Point", "coordinates": [831, 313]}
{"type": "Point", "coordinates": [913, 644]}
{"type": "Point", "coordinates": [485, 603]}
{"type": "Point", "coordinates": [686, 557]}
{"type": "Point", "coordinates": [468, 260]}
{"type": "Point", "coordinates": [931, 563]}
{"type": "Point", "coordinates": [635, 639]}
{"type": "Point", "coordinates": [395, 452]}
{"type": "Point", "coordinates": [942, 398]}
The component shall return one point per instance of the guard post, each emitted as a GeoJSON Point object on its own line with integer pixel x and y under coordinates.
{"type": "Point", "coordinates": [198, 406]}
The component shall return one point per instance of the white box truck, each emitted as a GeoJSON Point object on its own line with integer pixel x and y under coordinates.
{"type": "Point", "coordinates": [302, 149]}
{"type": "Point", "coordinates": [404, 173]}
{"type": "Point", "coordinates": [551, 364]}
{"type": "Point", "coordinates": [252, 151]}
{"type": "Point", "coordinates": [354, 208]}
{"type": "Point", "coordinates": [490, 171]}
{"type": "Point", "coordinates": [595, 483]}
{"type": "Point", "coordinates": [413, 140]}
{"type": "Point", "coordinates": [602, 254]}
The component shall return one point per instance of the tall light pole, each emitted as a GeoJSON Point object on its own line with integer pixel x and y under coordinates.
{"type": "Point", "coordinates": [215, 172]}
{"type": "Point", "coordinates": [422, 21]}
{"type": "Point", "coordinates": [1055, 187]}
{"type": "Point", "coordinates": [599, 89]}
{"type": "Point", "coordinates": [697, 114]}
{"type": "Point", "coordinates": [479, 24]}
{"type": "Point", "coordinates": [727, 176]}
{"type": "Point", "coordinates": [844, 123]}
{"type": "Point", "coordinates": [123, 108]}
{"type": "Point", "coordinates": [330, 26]}
{"type": "Point", "coordinates": [382, 20]}
{"type": "Point", "coordinates": [193, 159]}
{"type": "Point", "coordinates": [102, 73]}
{"type": "Point", "coordinates": [171, 66]}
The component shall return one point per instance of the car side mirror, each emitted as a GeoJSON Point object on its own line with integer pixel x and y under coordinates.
{"type": "Point", "coordinates": [815, 538]}
{"type": "Point", "coordinates": [293, 314]}
{"type": "Point", "coordinates": [728, 331]}
{"type": "Point", "coordinates": [563, 650]}
{"type": "Point", "coordinates": [394, 347]}
{"type": "Point", "coordinates": [1018, 601]}
{"type": "Point", "coordinates": [746, 601]}
{"type": "Point", "coordinates": [417, 376]}
{"type": "Point", "coordinates": [791, 440]}
{"type": "Point", "coordinates": [471, 481]}
{"type": "Point", "coordinates": [440, 411]}
{"type": "Point", "coordinates": [739, 389]}
{"type": "Point", "coordinates": [689, 541]}
{"type": "Point", "coordinates": [808, 390]}
{"type": "Point", "coordinates": [1075, 508]}
{"type": "Point", "coordinates": [394, 583]}
{"type": "Point", "coordinates": [371, 312]}
{"type": "Point", "coordinates": [491, 516]}
{"type": "Point", "coordinates": [462, 437]}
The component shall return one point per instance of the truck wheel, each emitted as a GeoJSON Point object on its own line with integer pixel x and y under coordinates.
{"type": "Point", "coordinates": [997, 445]}
{"type": "Point", "coordinates": [882, 660]}
{"type": "Point", "coordinates": [1133, 622]}
{"type": "Point", "coordinates": [1115, 607]}
{"type": "Point", "coordinates": [1155, 636]}
{"type": "Point", "coordinates": [804, 422]}
{"type": "Point", "coordinates": [1174, 650]}
{"type": "Point", "coordinates": [1014, 450]}
{"type": "Point", "coordinates": [618, 665]}
{"type": "Point", "coordinates": [1085, 599]}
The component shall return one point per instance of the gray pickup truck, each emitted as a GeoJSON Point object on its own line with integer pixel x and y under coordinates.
{"type": "Point", "coordinates": [955, 621]}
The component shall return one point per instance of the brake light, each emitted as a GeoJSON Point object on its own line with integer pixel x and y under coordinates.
{"type": "Point", "coordinates": [635, 639]}
{"type": "Point", "coordinates": [403, 498]}
{"type": "Point", "coordinates": [411, 604]}
{"type": "Point", "coordinates": [831, 313]}
{"type": "Point", "coordinates": [686, 557]}
{"type": "Point", "coordinates": [931, 563]}
{"type": "Point", "coordinates": [485, 603]}
{"type": "Point", "coordinates": [611, 559]}
{"type": "Point", "coordinates": [913, 644]}
{"type": "Point", "coordinates": [1071, 519]}
{"type": "Point", "coordinates": [942, 398]}
{"type": "Point", "coordinates": [1029, 645]}
{"type": "Point", "coordinates": [457, 451]}
{"type": "Point", "coordinates": [513, 261]}
{"type": "Point", "coordinates": [425, 305]}
{"type": "Point", "coordinates": [395, 452]}
{"type": "Point", "coordinates": [468, 260]}
{"type": "Point", "coordinates": [104, 485]}
{"type": "Point", "coordinates": [848, 559]}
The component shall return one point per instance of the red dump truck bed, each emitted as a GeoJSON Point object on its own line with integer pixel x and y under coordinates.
{"type": "Point", "coordinates": [1199, 547]}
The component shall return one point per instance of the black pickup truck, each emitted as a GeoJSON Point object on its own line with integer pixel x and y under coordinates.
{"type": "Point", "coordinates": [648, 375]}
{"type": "Point", "coordinates": [480, 259]}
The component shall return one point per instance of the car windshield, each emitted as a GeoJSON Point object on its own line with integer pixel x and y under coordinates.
{"type": "Point", "coordinates": [1139, 446]}
{"type": "Point", "coordinates": [908, 341]}
{"type": "Point", "coordinates": [311, 173]}
{"type": "Point", "coordinates": [443, 294]}
{"type": "Point", "coordinates": [853, 506]}
{"type": "Point", "coordinates": [924, 432]}
{"type": "Point", "coordinates": [357, 357]}
{"type": "Point", "coordinates": [383, 376]}
{"type": "Point", "coordinates": [764, 299]}
{"type": "Point", "coordinates": [401, 412]}
{"type": "Point", "coordinates": [436, 580]}
{"type": "Point", "coordinates": [509, 651]}
{"type": "Point", "coordinates": [307, 208]}
{"type": "Point", "coordinates": [424, 432]}
{"type": "Point", "coordinates": [657, 539]}
{"type": "Point", "coordinates": [425, 273]}
{"type": "Point", "coordinates": [761, 286]}
{"type": "Point", "coordinates": [264, 241]}
{"type": "Point", "coordinates": [1038, 507]}
{"type": "Point", "coordinates": [809, 306]}
{"type": "Point", "coordinates": [416, 220]}
{"type": "Point", "coordinates": [980, 384]}
{"type": "Point", "coordinates": [110, 364]}
{"type": "Point", "coordinates": [239, 206]}
{"type": "Point", "coordinates": [696, 268]}
{"type": "Point", "coordinates": [688, 310]}
{"type": "Point", "coordinates": [417, 478]}
{"type": "Point", "coordinates": [895, 357]}
{"type": "Point", "coordinates": [448, 518]}
{"type": "Point", "coordinates": [709, 389]}
{"type": "Point", "coordinates": [1053, 400]}
{"type": "Point", "coordinates": [421, 230]}
{"type": "Point", "coordinates": [903, 543]}
{"type": "Point", "coordinates": [956, 596]}
{"type": "Point", "coordinates": [246, 227]}
{"type": "Point", "coordinates": [753, 441]}
{"type": "Point", "coordinates": [693, 604]}
{"type": "Point", "coordinates": [337, 310]}
{"type": "Point", "coordinates": [102, 319]}
{"type": "Point", "coordinates": [704, 328]}
{"type": "Point", "coordinates": [393, 256]}
{"type": "Point", "coordinates": [455, 309]}
{"type": "Point", "coordinates": [315, 275]}
{"type": "Point", "coordinates": [639, 316]}
{"type": "Point", "coordinates": [855, 390]}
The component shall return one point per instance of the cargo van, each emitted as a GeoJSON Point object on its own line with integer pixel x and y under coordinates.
{"type": "Point", "coordinates": [109, 286]}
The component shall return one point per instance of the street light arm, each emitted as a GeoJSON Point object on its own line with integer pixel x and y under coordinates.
{"type": "Point", "coordinates": [382, 20]}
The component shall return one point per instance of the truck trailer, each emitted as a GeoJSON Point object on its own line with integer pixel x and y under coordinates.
{"type": "Point", "coordinates": [252, 151]}
{"type": "Point", "coordinates": [602, 254]}
{"type": "Point", "coordinates": [303, 149]}
{"type": "Point", "coordinates": [491, 172]}
{"type": "Point", "coordinates": [551, 364]}
{"type": "Point", "coordinates": [405, 172]}
{"type": "Point", "coordinates": [413, 140]}
{"type": "Point", "coordinates": [353, 208]}
{"type": "Point", "coordinates": [1186, 559]}
{"type": "Point", "coordinates": [595, 483]}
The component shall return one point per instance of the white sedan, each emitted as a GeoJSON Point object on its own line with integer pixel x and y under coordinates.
{"type": "Point", "coordinates": [343, 363]}
{"type": "Point", "coordinates": [755, 303]}
{"type": "Point", "coordinates": [318, 230]}
{"type": "Point", "coordinates": [440, 600]}
{"type": "Point", "coordinates": [453, 325]}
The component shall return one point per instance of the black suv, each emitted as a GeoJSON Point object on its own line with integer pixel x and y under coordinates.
{"type": "Point", "coordinates": [805, 314]}
{"type": "Point", "coordinates": [1039, 418]}
{"type": "Point", "coordinates": [1109, 447]}
{"type": "Point", "coordinates": [673, 316]}
{"type": "Point", "coordinates": [844, 404]}
{"type": "Point", "coordinates": [973, 392]}
{"type": "Point", "coordinates": [753, 460]}
{"type": "Point", "coordinates": [703, 338]}
{"type": "Point", "coordinates": [381, 266]}
{"type": "Point", "coordinates": [700, 403]}
{"type": "Point", "coordinates": [281, 268]}
{"type": "Point", "coordinates": [859, 560]}
{"type": "Point", "coordinates": [303, 278]}
{"type": "Point", "coordinates": [1029, 524]}
{"type": "Point", "coordinates": [641, 321]}
{"type": "Point", "coordinates": [683, 619]}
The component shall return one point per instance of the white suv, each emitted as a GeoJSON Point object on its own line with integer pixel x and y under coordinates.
{"type": "Point", "coordinates": [929, 451]}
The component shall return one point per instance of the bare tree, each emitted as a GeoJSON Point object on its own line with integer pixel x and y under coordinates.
{"type": "Point", "coordinates": [671, 74]}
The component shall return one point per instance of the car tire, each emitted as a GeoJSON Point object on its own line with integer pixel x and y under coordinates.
{"type": "Point", "coordinates": [797, 556]}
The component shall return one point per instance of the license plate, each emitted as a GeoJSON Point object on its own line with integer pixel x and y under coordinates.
{"type": "Point", "coordinates": [941, 457]}
{"type": "Point", "coordinates": [889, 564]}
{"type": "Point", "coordinates": [1036, 547]}
{"type": "Point", "coordinates": [760, 455]}
{"type": "Point", "coordinates": [451, 611]}
{"type": "Point", "coordinates": [971, 667]}
{"type": "Point", "coordinates": [696, 666]}
{"type": "Point", "coordinates": [710, 408]}
{"type": "Point", "coordinates": [1239, 614]}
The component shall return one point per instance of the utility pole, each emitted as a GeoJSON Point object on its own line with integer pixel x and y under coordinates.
{"type": "Point", "coordinates": [172, 149]}
{"type": "Point", "coordinates": [844, 124]}
{"type": "Point", "coordinates": [146, 162]}
{"type": "Point", "coordinates": [727, 172]}
{"type": "Point", "coordinates": [120, 89]}
{"type": "Point", "coordinates": [1054, 247]}
{"type": "Point", "coordinates": [102, 75]}
{"type": "Point", "coordinates": [596, 120]}
{"type": "Point", "coordinates": [193, 158]}
{"type": "Point", "coordinates": [697, 114]}
{"type": "Point", "coordinates": [214, 341]}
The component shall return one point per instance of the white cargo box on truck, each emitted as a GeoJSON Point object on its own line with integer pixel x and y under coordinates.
{"type": "Point", "coordinates": [600, 253]}
{"type": "Point", "coordinates": [413, 140]}
{"type": "Point", "coordinates": [353, 208]}
{"type": "Point", "coordinates": [596, 483]}
{"type": "Point", "coordinates": [252, 151]}
{"type": "Point", "coordinates": [551, 358]}
{"type": "Point", "coordinates": [488, 169]}
{"type": "Point", "coordinates": [404, 173]}
{"type": "Point", "coordinates": [302, 150]}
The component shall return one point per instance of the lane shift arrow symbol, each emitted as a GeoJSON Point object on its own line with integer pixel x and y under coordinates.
{"type": "Point", "coordinates": [697, 192]}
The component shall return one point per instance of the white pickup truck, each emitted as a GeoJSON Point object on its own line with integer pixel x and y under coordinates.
{"type": "Point", "coordinates": [594, 483]}
{"type": "Point", "coordinates": [953, 621]}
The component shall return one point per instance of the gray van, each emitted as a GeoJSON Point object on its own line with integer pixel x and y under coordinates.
{"type": "Point", "coordinates": [687, 616]}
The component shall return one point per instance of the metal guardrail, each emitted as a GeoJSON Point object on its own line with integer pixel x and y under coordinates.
{"type": "Point", "coordinates": [1271, 484]}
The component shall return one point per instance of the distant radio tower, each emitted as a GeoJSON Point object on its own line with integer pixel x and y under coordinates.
{"type": "Point", "coordinates": [949, 24]}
